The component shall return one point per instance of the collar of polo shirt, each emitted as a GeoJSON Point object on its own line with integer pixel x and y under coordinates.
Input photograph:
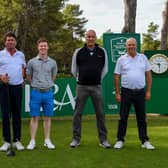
{"type": "Point", "coordinates": [39, 58]}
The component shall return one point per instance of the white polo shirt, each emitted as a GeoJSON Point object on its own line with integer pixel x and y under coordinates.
{"type": "Point", "coordinates": [12, 65]}
{"type": "Point", "coordinates": [132, 70]}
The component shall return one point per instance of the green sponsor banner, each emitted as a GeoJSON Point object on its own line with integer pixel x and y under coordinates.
{"type": "Point", "coordinates": [115, 47]}
{"type": "Point", "coordinates": [64, 97]}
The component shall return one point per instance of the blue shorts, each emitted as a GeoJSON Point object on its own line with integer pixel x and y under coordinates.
{"type": "Point", "coordinates": [44, 100]}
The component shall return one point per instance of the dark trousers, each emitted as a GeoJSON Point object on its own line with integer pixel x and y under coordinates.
{"type": "Point", "coordinates": [11, 99]}
{"type": "Point", "coordinates": [0, 92]}
{"type": "Point", "coordinates": [137, 98]}
{"type": "Point", "coordinates": [82, 94]}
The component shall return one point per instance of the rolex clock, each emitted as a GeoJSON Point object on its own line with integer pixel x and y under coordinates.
{"type": "Point", "coordinates": [159, 63]}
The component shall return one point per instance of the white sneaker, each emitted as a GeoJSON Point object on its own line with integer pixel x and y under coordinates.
{"type": "Point", "coordinates": [119, 145]}
{"type": "Point", "coordinates": [48, 144]}
{"type": "Point", "coordinates": [105, 144]}
{"type": "Point", "coordinates": [31, 145]}
{"type": "Point", "coordinates": [5, 146]}
{"type": "Point", "coordinates": [148, 145]}
{"type": "Point", "coordinates": [74, 143]}
{"type": "Point", "coordinates": [18, 145]}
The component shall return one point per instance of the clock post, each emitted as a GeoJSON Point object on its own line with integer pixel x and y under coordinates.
{"type": "Point", "coordinates": [159, 64]}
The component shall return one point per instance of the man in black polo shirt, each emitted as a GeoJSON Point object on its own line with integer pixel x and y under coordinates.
{"type": "Point", "coordinates": [89, 66]}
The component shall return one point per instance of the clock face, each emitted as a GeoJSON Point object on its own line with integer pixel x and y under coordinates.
{"type": "Point", "coordinates": [159, 63]}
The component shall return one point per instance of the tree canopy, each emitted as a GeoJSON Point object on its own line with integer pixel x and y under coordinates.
{"type": "Point", "coordinates": [149, 39]}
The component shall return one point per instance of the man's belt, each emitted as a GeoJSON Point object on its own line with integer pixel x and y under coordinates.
{"type": "Point", "coordinates": [133, 90]}
{"type": "Point", "coordinates": [42, 89]}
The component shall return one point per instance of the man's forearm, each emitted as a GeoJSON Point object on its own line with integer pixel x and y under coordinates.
{"type": "Point", "coordinates": [29, 78]}
{"type": "Point", "coordinates": [148, 81]}
{"type": "Point", "coordinates": [116, 83]}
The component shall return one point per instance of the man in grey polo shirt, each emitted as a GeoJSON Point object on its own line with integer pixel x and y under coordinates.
{"type": "Point", "coordinates": [41, 73]}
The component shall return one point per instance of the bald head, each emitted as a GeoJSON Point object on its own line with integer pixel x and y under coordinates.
{"type": "Point", "coordinates": [90, 31]}
{"type": "Point", "coordinates": [131, 46]}
{"type": "Point", "coordinates": [90, 37]}
{"type": "Point", "coordinates": [132, 40]}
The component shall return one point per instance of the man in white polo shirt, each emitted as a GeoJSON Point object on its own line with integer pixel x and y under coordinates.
{"type": "Point", "coordinates": [12, 64]}
{"type": "Point", "coordinates": [135, 72]}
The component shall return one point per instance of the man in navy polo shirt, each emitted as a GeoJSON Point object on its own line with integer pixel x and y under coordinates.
{"type": "Point", "coordinates": [12, 64]}
{"type": "Point", "coordinates": [89, 66]}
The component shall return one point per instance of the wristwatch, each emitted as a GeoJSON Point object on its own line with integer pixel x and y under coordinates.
{"type": "Point", "coordinates": [159, 63]}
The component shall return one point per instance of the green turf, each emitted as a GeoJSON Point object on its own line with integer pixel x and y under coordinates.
{"type": "Point", "coordinates": [89, 154]}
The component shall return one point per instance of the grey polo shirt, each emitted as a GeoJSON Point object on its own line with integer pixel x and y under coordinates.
{"type": "Point", "coordinates": [42, 72]}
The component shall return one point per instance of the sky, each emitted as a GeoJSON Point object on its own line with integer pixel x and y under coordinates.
{"type": "Point", "coordinates": [109, 14]}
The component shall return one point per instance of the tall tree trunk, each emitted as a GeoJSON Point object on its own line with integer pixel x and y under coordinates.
{"type": "Point", "coordinates": [164, 31]}
{"type": "Point", "coordinates": [21, 29]}
{"type": "Point", "coordinates": [129, 16]}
